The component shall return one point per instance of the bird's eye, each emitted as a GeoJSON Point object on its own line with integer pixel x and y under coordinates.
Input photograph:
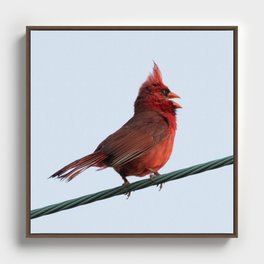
{"type": "Point", "coordinates": [165, 92]}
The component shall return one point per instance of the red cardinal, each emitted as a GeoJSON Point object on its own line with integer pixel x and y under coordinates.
{"type": "Point", "coordinates": [142, 145]}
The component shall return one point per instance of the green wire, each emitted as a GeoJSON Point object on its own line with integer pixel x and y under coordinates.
{"type": "Point", "coordinates": [90, 198]}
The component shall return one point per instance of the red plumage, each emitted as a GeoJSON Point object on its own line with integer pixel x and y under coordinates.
{"type": "Point", "coordinates": [141, 146]}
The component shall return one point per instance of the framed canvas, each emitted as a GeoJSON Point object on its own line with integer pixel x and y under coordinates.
{"type": "Point", "coordinates": [132, 131]}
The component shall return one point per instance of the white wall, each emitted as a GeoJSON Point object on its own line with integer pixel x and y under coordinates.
{"type": "Point", "coordinates": [15, 15]}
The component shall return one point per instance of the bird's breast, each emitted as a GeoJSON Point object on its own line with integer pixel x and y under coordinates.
{"type": "Point", "coordinates": [153, 160]}
{"type": "Point", "coordinates": [158, 156]}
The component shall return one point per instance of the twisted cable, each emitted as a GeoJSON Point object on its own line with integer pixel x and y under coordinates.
{"type": "Point", "coordinates": [90, 198]}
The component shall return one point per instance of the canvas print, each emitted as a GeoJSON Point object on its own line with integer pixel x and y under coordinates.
{"type": "Point", "coordinates": [132, 131]}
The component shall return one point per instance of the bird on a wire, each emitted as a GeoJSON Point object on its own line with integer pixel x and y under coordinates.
{"type": "Point", "coordinates": [143, 144]}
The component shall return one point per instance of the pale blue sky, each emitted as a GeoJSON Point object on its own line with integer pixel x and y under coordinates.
{"type": "Point", "coordinates": [83, 86]}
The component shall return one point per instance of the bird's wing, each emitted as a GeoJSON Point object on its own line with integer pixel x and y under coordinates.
{"type": "Point", "coordinates": [135, 138]}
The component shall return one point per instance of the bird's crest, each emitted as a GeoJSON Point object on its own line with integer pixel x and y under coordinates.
{"type": "Point", "coordinates": [155, 76]}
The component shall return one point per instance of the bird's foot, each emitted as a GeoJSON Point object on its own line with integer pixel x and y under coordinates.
{"type": "Point", "coordinates": [153, 175]}
{"type": "Point", "coordinates": [128, 194]}
{"type": "Point", "coordinates": [125, 185]}
{"type": "Point", "coordinates": [160, 185]}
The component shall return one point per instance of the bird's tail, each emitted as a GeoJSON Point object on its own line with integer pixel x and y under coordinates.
{"type": "Point", "coordinates": [73, 169]}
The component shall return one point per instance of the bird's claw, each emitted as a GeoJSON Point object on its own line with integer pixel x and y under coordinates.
{"type": "Point", "coordinates": [153, 175]}
{"type": "Point", "coordinates": [160, 185]}
{"type": "Point", "coordinates": [125, 185]}
{"type": "Point", "coordinates": [128, 194]}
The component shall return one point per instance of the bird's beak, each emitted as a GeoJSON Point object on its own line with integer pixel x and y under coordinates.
{"type": "Point", "coordinates": [176, 105]}
{"type": "Point", "coordinates": [172, 95]}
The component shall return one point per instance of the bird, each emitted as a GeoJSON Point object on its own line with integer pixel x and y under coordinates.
{"type": "Point", "coordinates": [143, 145]}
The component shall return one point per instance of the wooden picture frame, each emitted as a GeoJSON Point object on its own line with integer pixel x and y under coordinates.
{"type": "Point", "coordinates": [30, 88]}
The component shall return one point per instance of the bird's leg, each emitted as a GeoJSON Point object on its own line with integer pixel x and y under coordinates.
{"type": "Point", "coordinates": [126, 184]}
{"type": "Point", "coordinates": [153, 175]}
